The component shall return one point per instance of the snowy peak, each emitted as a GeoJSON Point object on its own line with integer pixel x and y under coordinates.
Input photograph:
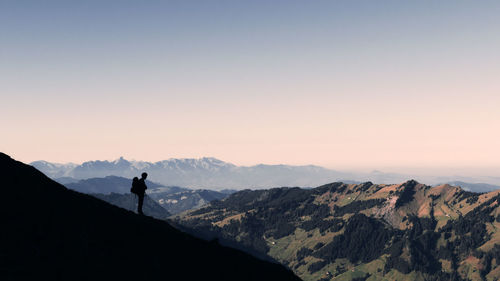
{"type": "Point", "coordinates": [121, 161]}
{"type": "Point", "coordinates": [205, 163]}
{"type": "Point", "coordinates": [54, 170]}
{"type": "Point", "coordinates": [206, 172]}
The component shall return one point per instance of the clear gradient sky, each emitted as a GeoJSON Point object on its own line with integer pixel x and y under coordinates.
{"type": "Point", "coordinates": [343, 84]}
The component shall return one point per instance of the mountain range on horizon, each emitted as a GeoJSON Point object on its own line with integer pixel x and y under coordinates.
{"type": "Point", "coordinates": [215, 174]}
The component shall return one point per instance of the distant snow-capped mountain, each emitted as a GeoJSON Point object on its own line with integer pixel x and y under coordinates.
{"type": "Point", "coordinates": [212, 173]}
{"type": "Point", "coordinates": [54, 170]}
{"type": "Point", "coordinates": [197, 173]}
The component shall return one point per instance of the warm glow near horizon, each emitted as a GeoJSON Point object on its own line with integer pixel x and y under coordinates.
{"type": "Point", "coordinates": [341, 84]}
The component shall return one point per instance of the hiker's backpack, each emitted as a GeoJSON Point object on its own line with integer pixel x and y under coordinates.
{"type": "Point", "coordinates": [135, 186]}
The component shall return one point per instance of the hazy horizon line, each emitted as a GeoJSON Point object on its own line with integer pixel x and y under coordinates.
{"type": "Point", "coordinates": [421, 170]}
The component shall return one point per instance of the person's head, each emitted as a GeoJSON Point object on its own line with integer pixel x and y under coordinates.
{"type": "Point", "coordinates": [144, 175]}
{"type": "Point", "coordinates": [135, 179]}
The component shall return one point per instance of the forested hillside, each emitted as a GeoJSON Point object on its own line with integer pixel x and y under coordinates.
{"type": "Point", "coordinates": [338, 231]}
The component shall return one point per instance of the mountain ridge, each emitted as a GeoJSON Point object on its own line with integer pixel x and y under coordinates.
{"type": "Point", "coordinates": [406, 231]}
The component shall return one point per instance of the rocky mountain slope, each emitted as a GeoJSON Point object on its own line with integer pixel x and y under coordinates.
{"type": "Point", "coordinates": [338, 231]}
{"type": "Point", "coordinates": [52, 233]}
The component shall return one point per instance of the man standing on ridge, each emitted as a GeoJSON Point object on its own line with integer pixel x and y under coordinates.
{"type": "Point", "coordinates": [141, 190]}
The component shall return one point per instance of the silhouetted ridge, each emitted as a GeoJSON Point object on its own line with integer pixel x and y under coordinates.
{"type": "Point", "coordinates": [52, 233]}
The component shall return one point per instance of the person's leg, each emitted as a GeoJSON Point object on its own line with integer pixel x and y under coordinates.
{"type": "Point", "coordinates": [141, 201]}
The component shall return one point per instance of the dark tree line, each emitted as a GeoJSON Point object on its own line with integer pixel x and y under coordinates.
{"type": "Point", "coordinates": [363, 240]}
{"type": "Point", "coordinates": [406, 193]}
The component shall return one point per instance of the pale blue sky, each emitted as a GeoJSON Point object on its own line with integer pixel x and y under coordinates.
{"type": "Point", "coordinates": [344, 84]}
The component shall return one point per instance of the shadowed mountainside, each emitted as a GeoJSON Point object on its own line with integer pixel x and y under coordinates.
{"type": "Point", "coordinates": [52, 233]}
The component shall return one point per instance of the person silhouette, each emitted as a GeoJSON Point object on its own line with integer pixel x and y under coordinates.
{"type": "Point", "coordinates": [141, 190]}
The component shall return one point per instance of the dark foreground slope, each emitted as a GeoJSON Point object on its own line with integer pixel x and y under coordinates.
{"type": "Point", "coordinates": [52, 233]}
